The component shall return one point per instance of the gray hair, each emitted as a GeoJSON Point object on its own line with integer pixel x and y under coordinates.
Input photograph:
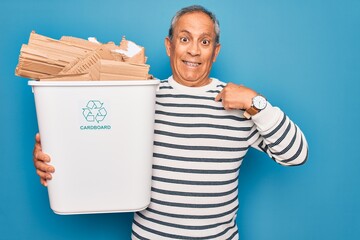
{"type": "Point", "coordinates": [195, 8]}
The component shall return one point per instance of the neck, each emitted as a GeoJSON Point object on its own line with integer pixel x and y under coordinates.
{"type": "Point", "coordinates": [201, 83]}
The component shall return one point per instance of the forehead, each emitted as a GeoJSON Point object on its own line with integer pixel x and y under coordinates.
{"type": "Point", "coordinates": [195, 23]}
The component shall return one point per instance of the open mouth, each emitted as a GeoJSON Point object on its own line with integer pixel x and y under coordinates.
{"type": "Point", "coordinates": [192, 64]}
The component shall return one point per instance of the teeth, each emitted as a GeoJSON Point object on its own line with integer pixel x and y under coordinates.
{"type": "Point", "coordinates": [191, 64]}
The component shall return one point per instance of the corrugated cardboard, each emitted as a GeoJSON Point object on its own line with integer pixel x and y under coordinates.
{"type": "Point", "coordinates": [44, 58]}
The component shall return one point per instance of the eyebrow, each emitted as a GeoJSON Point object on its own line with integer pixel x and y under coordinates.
{"type": "Point", "coordinates": [203, 34]}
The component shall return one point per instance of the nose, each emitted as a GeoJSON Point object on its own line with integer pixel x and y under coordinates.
{"type": "Point", "coordinates": [194, 49]}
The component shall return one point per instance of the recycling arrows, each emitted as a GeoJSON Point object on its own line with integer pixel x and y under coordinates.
{"type": "Point", "coordinates": [94, 111]}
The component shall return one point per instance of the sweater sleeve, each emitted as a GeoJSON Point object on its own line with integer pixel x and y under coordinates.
{"type": "Point", "coordinates": [279, 137]}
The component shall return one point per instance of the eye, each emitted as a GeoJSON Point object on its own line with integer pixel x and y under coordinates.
{"type": "Point", "coordinates": [205, 42]}
{"type": "Point", "coordinates": [184, 39]}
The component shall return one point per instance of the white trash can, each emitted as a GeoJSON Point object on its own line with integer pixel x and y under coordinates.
{"type": "Point", "coordinates": [99, 135]}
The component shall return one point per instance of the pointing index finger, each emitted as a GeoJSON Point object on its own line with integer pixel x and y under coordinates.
{"type": "Point", "coordinates": [218, 97]}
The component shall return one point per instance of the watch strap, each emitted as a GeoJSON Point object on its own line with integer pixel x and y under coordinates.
{"type": "Point", "coordinates": [251, 111]}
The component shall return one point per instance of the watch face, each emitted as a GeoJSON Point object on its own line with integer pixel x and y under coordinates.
{"type": "Point", "coordinates": [259, 102]}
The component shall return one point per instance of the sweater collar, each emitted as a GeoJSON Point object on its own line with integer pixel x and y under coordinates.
{"type": "Point", "coordinates": [177, 86]}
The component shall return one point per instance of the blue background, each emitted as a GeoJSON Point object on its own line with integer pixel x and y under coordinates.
{"type": "Point", "coordinates": [303, 55]}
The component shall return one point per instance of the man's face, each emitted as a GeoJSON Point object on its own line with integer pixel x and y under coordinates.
{"type": "Point", "coordinates": [193, 49]}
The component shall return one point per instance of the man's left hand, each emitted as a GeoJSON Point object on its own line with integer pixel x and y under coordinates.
{"type": "Point", "coordinates": [235, 96]}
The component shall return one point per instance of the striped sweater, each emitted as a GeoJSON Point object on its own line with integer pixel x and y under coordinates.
{"type": "Point", "coordinates": [198, 149]}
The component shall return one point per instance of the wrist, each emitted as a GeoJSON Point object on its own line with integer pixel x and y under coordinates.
{"type": "Point", "coordinates": [249, 102]}
{"type": "Point", "coordinates": [258, 103]}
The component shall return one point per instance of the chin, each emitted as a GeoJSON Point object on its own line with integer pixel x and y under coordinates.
{"type": "Point", "coordinates": [192, 82]}
{"type": "Point", "coordinates": [191, 78]}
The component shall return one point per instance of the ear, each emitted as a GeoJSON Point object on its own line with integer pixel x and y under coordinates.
{"type": "Point", "coordinates": [167, 45]}
{"type": "Point", "coordinates": [216, 52]}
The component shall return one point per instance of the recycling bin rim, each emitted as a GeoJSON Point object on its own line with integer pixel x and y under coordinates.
{"type": "Point", "coordinates": [55, 83]}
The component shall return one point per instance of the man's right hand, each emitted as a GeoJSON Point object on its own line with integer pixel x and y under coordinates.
{"type": "Point", "coordinates": [41, 160]}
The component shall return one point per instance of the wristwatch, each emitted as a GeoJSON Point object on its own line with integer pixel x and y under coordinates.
{"type": "Point", "coordinates": [259, 102]}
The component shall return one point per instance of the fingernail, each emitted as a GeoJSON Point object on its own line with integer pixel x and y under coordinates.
{"type": "Point", "coordinates": [50, 169]}
{"type": "Point", "coordinates": [48, 177]}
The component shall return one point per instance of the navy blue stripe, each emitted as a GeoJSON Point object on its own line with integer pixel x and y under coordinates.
{"type": "Point", "coordinates": [233, 235]}
{"type": "Point", "coordinates": [304, 161]}
{"type": "Point", "coordinates": [200, 115]}
{"type": "Point", "coordinates": [296, 155]}
{"type": "Point", "coordinates": [184, 216]}
{"type": "Point", "coordinates": [186, 159]}
{"type": "Point", "coordinates": [213, 91]}
{"type": "Point", "coordinates": [184, 105]}
{"type": "Point", "coordinates": [138, 236]}
{"type": "Point", "coordinates": [173, 236]}
{"type": "Point", "coordinates": [277, 128]}
{"type": "Point", "coordinates": [263, 146]}
{"type": "Point", "coordinates": [200, 148]}
{"type": "Point", "coordinates": [282, 137]}
{"type": "Point", "coordinates": [291, 143]}
{"type": "Point", "coordinates": [179, 226]}
{"type": "Point", "coordinates": [196, 171]}
{"type": "Point", "coordinates": [165, 87]}
{"type": "Point", "coordinates": [204, 136]}
{"type": "Point", "coordinates": [189, 205]}
{"type": "Point", "coordinates": [184, 96]}
{"type": "Point", "coordinates": [203, 125]}
{"type": "Point", "coordinates": [195, 183]}
{"type": "Point", "coordinates": [195, 194]}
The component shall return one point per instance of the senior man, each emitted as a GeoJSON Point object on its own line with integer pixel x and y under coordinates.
{"type": "Point", "coordinates": [203, 129]}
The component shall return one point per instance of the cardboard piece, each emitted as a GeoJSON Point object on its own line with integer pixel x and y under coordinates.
{"type": "Point", "coordinates": [71, 58]}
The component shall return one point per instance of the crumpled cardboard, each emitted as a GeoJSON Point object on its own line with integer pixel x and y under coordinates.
{"type": "Point", "coordinates": [72, 58]}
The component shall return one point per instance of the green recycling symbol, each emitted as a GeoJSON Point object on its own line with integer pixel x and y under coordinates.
{"type": "Point", "coordinates": [94, 111]}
